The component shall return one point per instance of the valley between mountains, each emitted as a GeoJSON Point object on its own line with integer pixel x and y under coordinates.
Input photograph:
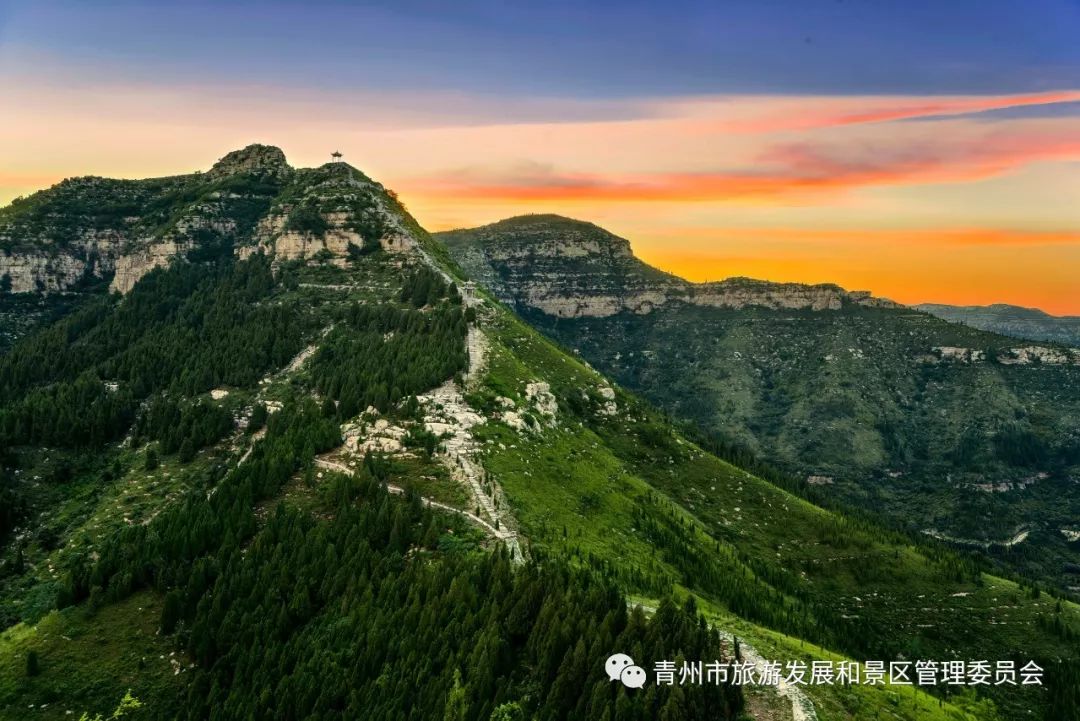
{"type": "Point", "coordinates": [270, 450]}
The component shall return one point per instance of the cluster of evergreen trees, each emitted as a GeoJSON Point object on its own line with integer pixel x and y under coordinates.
{"type": "Point", "coordinates": [378, 354]}
{"type": "Point", "coordinates": [182, 427]}
{"type": "Point", "coordinates": [83, 412]}
{"type": "Point", "coordinates": [426, 287]}
{"type": "Point", "coordinates": [324, 621]}
{"type": "Point", "coordinates": [185, 330]}
{"type": "Point", "coordinates": [1063, 689]}
{"type": "Point", "coordinates": [12, 508]}
{"type": "Point", "coordinates": [218, 515]}
{"type": "Point", "coordinates": [354, 612]}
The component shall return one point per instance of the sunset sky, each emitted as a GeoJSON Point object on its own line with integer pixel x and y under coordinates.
{"type": "Point", "coordinates": [927, 151]}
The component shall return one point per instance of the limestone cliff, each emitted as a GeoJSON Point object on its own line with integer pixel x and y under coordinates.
{"type": "Point", "coordinates": [83, 232]}
{"type": "Point", "coordinates": [332, 211]}
{"type": "Point", "coordinates": [569, 269]}
{"type": "Point", "coordinates": [265, 160]}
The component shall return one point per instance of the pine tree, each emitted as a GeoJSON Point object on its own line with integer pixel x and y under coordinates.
{"type": "Point", "coordinates": [187, 451]}
{"type": "Point", "coordinates": [170, 612]}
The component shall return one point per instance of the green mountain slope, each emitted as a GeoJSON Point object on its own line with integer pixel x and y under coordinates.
{"type": "Point", "coordinates": [1012, 320]}
{"type": "Point", "coordinates": [347, 484]}
{"type": "Point", "coordinates": [949, 430]}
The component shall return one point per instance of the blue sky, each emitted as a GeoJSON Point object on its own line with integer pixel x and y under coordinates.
{"type": "Point", "coordinates": [593, 49]}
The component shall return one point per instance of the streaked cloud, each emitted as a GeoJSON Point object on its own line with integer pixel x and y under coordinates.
{"type": "Point", "coordinates": [810, 113]}
{"type": "Point", "coordinates": [778, 172]}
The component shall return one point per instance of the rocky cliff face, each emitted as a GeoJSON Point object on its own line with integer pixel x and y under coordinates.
{"type": "Point", "coordinates": [571, 269]}
{"type": "Point", "coordinates": [873, 404]}
{"type": "Point", "coordinates": [130, 267]}
{"type": "Point", "coordinates": [95, 229]}
{"type": "Point", "coordinates": [45, 269]}
{"type": "Point", "coordinates": [264, 160]}
{"type": "Point", "coordinates": [330, 211]}
{"type": "Point", "coordinates": [73, 232]}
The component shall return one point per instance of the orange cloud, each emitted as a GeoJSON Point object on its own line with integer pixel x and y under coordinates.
{"type": "Point", "coordinates": [814, 113]}
{"type": "Point", "coordinates": [784, 171]}
{"type": "Point", "coordinates": [896, 237]}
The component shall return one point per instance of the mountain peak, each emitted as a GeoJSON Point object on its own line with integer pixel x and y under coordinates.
{"type": "Point", "coordinates": [254, 158]}
{"type": "Point", "coordinates": [572, 268]}
{"type": "Point", "coordinates": [548, 234]}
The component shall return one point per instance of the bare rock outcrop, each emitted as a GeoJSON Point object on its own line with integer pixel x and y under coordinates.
{"type": "Point", "coordinates": [97, 228]}
{"type": "Point", "coordinates": [570, 269]}
{"type": "Point", "coordinates": [262, 159]}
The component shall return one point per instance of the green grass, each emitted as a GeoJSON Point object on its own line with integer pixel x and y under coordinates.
{"type": "Point", "coordinates": [87, 510]}
{"type": "Point", "coordinates": [836, 702]}
{"type": "Point", "coordinates": [597, 477]}
{"type": "Point", "coordinates": [856, 394]}
{"type": "Point", "coordinates": [429, 478]}
{"type": "Point", "coordinates": [88, 661]}
{"type": "Point", "coordinates": [624, 495]}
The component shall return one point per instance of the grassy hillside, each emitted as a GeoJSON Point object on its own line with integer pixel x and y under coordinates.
{"type": "Point", "coordinates": [132, 540]}
{"type": "Point", "coordinates": [946, 429]}
{"type": "Point", "coordinates": [626, 493]}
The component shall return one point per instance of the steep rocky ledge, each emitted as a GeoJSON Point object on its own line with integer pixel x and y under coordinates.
{"type": "Point", "coordinates": [569, 269]}
{"type": "Point", "coordinates": [264, 160]}
{"type": "Point", "coordinates": [91, 229]}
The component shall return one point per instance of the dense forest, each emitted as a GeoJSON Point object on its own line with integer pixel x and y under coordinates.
{"type": "Point", "coordinates": [363, 609]}
{"type": "Point", "coordinates": [377, 354]}
{"type": "Point", "coordinates": [357, 618]}
{"type": "Point", "coordinates": [186, 330]}
{"type": "Point", "coordinates": [351, 615]}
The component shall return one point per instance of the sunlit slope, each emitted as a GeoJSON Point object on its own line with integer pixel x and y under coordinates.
{"type": "Point", "coordinates": [611, 485]}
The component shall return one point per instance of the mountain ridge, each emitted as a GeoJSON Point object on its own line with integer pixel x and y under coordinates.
{"type": "Point", "coordinates": [877, 405]}
{"type": "Point", "coordinates": [1012, 320]}
{"type": "Point", "coordinates": [91, 229]}
{"type": "Point", "coordinates": [617, 280]}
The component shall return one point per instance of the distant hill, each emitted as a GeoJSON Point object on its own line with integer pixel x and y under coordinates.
{"type": "Point", "coordinates": [947, 429]}
{"type": "Point", "coordinates": [573, 269]}
{"type": "Point", "coordinates": [1011, 320]}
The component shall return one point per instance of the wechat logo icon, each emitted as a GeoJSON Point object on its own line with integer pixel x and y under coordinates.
{"type": "Point", "coordinates": [620, 667]}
